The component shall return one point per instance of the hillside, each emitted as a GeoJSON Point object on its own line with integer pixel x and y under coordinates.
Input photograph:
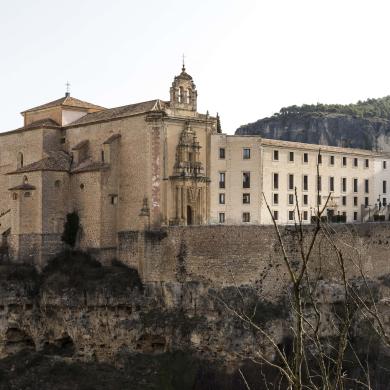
{"type": "Point", "coordinates": [362, 125]}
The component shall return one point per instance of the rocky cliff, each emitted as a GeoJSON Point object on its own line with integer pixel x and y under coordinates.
{"type": "Point", "coordinates": [362, 125]}
{"type": "Point", "coordinates": [81, 325]}
{"type": "Point", "coordinates": [324, 129]}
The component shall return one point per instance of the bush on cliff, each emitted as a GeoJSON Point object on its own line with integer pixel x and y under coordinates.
{"type": "Point", "coordinates": [80, 271]}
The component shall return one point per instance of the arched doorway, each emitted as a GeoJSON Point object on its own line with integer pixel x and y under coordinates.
{"type": "Point", "coordinates": [189, 215]}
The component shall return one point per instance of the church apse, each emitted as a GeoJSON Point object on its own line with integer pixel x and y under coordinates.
{"type": "Point", "coordinates": [189, 184]}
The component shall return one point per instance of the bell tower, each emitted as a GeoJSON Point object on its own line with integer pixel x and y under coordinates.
{"type": "Point", "coordinates": [183, 92]}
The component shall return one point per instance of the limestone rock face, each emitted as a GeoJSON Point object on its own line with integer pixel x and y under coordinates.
{"type": "Point", "coordinates": [324, 129]}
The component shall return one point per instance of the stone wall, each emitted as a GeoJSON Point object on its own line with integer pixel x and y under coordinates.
{"type": "Point", "coordinates": [229, 255]}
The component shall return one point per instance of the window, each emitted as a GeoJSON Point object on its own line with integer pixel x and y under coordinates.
{"type": "Point", "coordinates": [355, 185]}
{"type": "Point", "coordinates": [344, 160]}
{"type": "Point", "coordinates": [290, 182]}
{"type": "Point", "coordinates": [366, 201]}
{"type": "Point", "coordinates": [344, 200]}
{"type": "Point", "coordinates": [27, 194]}
{"type": "Point", "coordinates": [275, 199]}
{"type": "Point", "coordinates": [384, 202]}
{"type": "Point", "coordinates": [291, 215]}
{"type": "Point", "coordinates": [355, 162]}
{"type": "Point", "coordinates": [246, 180]}
{"type": "Point", "coordinates": [384, 186]}
{"type": "Point", "coordinates": [290, 199]}
{"type": "Point", "coordinates": [246, 198]}
{"type": "Point", "coordinates": [221, 198]}
{"type": "Point", "coordinates": [221, 217]}
{"type": "Point", "coordinates": [222, 179]}
{"type": "Point", "coordinates": [291, 156]}
{"type": "Point", "coordinates": [355, 216]}
{"type": "Point", "coordinates": [384, 165]}
{"type": "Point", "coordinates": [305, 215]}
{"type": "Point", "coordinates": [246, 217]}
{"type": "Point", "coordinates": [366, 163]}
{"type": "Point", "coordinates": [355, 201]}
{"type": "Point", "coordinates": [319, 183]}
{"type": "Point", "coordinates": [20, 161]}
{"type": "Point", "coordinates": [366, 186]}
{"type": "Point", "coordinates": [276, 215]}
{"type": "Point", "coordinates": [276, 155]}
{"type": "Point", "coordinates": [319, 159]}
{"type": "Point", "coordinates": [305, 182]}
{"type": "Point", "coordinates": [305, 158]}
{"type": "Point", "coordinates": [221, 153]}
{"type": "Point", "coordinates": [113, 199]}
{"type": "Point", "coordinates": [319, 200]}
{"type": "Point", "coordinates": [305, 200]}
{"type": "Point", "coordinates": [246, 153]}
{"type": "Point", "coordinates": [345, 215]}
{"type": "Point", "coordinates": [344, 184]}
{"type": "Point", "coordinates": [102, 155]}
{"type": "Point", "coordinates": [14, 196]}
{"type": "Point", "coordinates": [331, 184]}
{"type": "Point", "coordinates": [25, 179]}
{"type": "Point", "coordinates": [275, 181]}
{"type": "Point", "coordinates": [57, 184]}
{"type": "Point", "coordinates": [62, 140]}
{"type": "Point", "coordinates": [82, 186]}
{"type": "Point", "coordinates": [331, 160]}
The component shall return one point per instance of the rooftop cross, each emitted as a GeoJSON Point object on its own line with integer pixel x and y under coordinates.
{"type": "Point", "coordinates": [67, 88]}
{"type": "Point", "coordinates": [184, 66]}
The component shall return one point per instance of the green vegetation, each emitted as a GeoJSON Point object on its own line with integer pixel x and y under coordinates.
{"type": "Point", "coordinates": [71, 229]}
{"type": "Point", "coordinates": [371, 108]}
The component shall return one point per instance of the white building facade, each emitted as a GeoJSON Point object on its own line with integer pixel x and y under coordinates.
{"type": "Point", "coordinates": [250, 171]}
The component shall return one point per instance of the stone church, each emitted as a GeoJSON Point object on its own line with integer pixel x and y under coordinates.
{"type": "Point", "coordinates": [124, 169]}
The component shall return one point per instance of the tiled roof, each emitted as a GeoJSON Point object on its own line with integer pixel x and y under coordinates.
{"type": "Point", "coordinates": [24, 186]}
{"type": "Point", "coordinates": [56, 161]}
{"type": "Point", "coordinates": [67, 101]}
{"type": "Point", "coordinates": [112, 138]}
{"type": "Point", "coordinates": [89, 166]}
{"type": "Point", "coordinates": [120, 112]}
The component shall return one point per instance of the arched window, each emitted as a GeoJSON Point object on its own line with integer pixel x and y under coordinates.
{"type": "Point", "coordinates": [181, 94]}
{"type": "Point", "coordinates": [20, 160]}
{"type": "Point", "coordinates": [25, 179]}
{"type": "Point", "coordinates": [102, 155]}
{"type": "Point", "coordinates": [188, 96]}
{"type": "Point", "coordinates": [57, 184]}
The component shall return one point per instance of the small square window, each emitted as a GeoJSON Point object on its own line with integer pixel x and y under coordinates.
{"type": "Point", "coordinates": [246, 198]}
{"type": "Point", "coordinates": [305, 158]}
{"type": "Point", "coordinates": [276, 155]}
{"type": "Point", "coordinates": [246, 217]}
{"type": "Point", "coordinates": [319, 159]}
{"type": "Point", "coordinates": [246, 153]}
{"type": "Point", "coordinates": [355, 216]}
{"type": "Point", "coordinates": [222, 198]}
{"type": "Point", "coordinates": [305, 200]}
{"type": "Point", "coordinates": [344, 161]}
{"type": "Point", "coordinates": [305, 215]}
{"type": "Point", "coordinates": [276, 215]}
{"type": "Point", "coordinates": [246, 180]}
{"type": "Point", "coordinates": [331, 160]}
{"type": "Point", "coordinates": [221, 153]}
{"type": "Point", "coordinates": [291, 157]}
{"type": "Point", "coordinates": [221, 217]}
{"type": "Point", "coordinates": [27, 194]}
{"type": "Point", "coordinates": [291, 215]}
{"type": "Point", "coordinates": [113, 199]}
{"type": "Point", "coordinates": [14, 196]}
{"type": "Point", "coordinates": [355, 201]}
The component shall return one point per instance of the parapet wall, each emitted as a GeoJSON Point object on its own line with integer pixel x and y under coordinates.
{"type": "Point", "coordinates": [231, 255]}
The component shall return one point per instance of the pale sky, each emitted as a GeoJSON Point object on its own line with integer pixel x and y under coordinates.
{"type": "Point", "coordinates": [248, 58]}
